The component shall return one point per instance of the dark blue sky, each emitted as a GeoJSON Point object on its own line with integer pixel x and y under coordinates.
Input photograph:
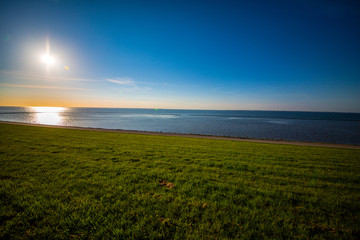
{"type": "Point", "coordinates": [270, 55]}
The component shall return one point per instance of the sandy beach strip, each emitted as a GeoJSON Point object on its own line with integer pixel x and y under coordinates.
{"type": "Point", "coordinates": [331, 145]}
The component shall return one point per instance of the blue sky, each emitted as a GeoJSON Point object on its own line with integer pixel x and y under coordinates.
{"type": "Point", "coordinates": [257, 55]}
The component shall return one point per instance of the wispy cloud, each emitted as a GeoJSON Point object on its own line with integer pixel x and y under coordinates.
{"type": "Point", "coordinates": [122, 81]}
{"type": "Point", "coordinates": [43, 87]}
{"type": "Point", "coordinates": [128, 84]}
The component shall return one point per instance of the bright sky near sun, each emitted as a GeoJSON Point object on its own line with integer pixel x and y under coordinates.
{"type": "Point", "coordinates": [251, 54]}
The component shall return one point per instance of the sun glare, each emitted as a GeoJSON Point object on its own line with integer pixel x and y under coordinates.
{"type": "Point", "coordinates": [48, 115]}
{"type": "Point", "coordinates": [47, 59]}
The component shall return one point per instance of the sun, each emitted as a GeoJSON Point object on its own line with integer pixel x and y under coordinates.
{"type": "Point", "coordinates": [47, 59]}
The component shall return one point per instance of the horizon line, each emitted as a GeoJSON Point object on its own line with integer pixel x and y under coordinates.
{"type": "Point", "coordinates": [190, 109]}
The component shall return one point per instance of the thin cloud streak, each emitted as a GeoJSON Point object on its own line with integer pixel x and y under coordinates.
{"type": "Point", "coordinates": [128, 84]}
{"type": "Point", "coordinates": [43, 87]}
{"type": "Point", "coordinates": [122, 81]}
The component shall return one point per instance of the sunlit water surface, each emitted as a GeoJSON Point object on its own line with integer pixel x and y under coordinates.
{"type": "Point", "coordinates": [293, 126]}
{"type": "Point", "coordinates": [46, 115]}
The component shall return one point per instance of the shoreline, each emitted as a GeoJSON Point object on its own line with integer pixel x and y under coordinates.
{"type": "Point", "coordinates": [283, 142]}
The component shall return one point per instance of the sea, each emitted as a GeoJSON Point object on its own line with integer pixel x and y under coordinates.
{"type": "Point", "coordinates": [324, 127]}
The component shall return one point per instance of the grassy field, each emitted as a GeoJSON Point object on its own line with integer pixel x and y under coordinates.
{"type": "Point", "coordinates": [74, 184]}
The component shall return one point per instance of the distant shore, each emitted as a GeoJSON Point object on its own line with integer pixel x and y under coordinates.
{"type": "Point", "coordinates": [313, 144]}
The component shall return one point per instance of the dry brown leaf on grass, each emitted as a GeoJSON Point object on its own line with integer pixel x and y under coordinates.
{"type": "Point", "coordinates": [170, 185]}
{"type": "Point", "coordinates": [167, 184]}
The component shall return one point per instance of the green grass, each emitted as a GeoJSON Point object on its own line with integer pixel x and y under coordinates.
{"type": "Point", "coordinates": [73, 184]}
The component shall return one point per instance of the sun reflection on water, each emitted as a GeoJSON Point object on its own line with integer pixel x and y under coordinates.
{"type": "Point", "coordinates": [48, 115]}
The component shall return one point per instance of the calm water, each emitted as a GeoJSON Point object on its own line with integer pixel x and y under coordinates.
{"type": "Point", "coordinates": [294, 126]}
